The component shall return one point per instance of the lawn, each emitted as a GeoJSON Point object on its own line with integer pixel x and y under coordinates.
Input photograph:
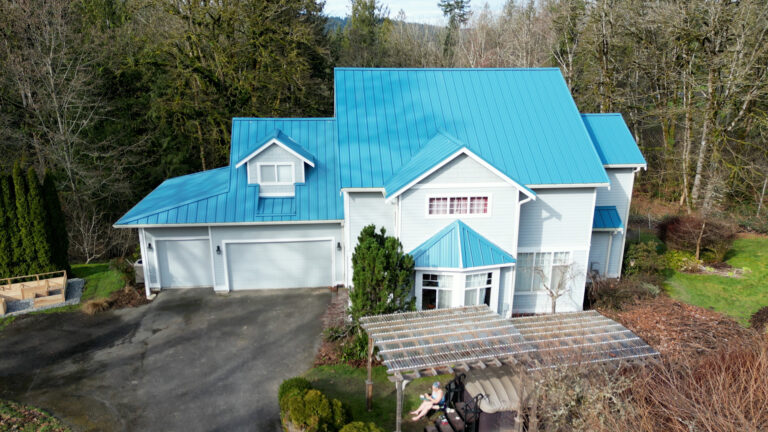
{"type": "Point", "coordinates": [17, 417]}
{"type": "Point", "coordinates": [739, 298]}
{"type": "Point", "coordinates": [347, 384]}
{"type": "Point", "coordinates": [100, 280]}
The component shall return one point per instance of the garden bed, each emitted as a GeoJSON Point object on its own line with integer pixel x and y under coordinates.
{"type": "Point", "coordinates": [18, 417]}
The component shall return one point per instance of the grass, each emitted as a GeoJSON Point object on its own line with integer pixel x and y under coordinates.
{"type": "Point", "coordinates": [18, 417]}
{"type": "Point", "coordinates": [347, 384]}
{"type": "Point", "coordinates": [100, 280]}
{"type": "Point", "coordinates": [739, 298]}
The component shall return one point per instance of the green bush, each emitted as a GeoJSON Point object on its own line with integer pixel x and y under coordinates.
{"type": "Point", "coordinates": [643, 258]}
{"type": "Point", "coordinates": [311, 411]}
{"type": "Point", "coordinates": [354, 349]}
{"type": "Point", "coordinates": [298, 385]}
{"type": "Point", "coordinates": [696, 234]}
{"type": "Point", "coordinates": [680, 260]}
{"type": "Point", "coordinates": [125, 269]}
{"type": "Point", "coordinates": [361, 427]}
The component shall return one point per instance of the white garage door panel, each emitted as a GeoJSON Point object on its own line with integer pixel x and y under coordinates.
{"type": "Point", "coordinates": [184, 263]}
{"type": "Point", "coordinates": [295, 264]}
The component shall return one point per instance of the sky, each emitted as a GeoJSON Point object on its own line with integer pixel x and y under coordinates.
{"type": "Point", "coordinates": [423, 11]}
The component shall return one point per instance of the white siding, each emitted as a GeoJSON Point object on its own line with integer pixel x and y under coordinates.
{"type": "Point", "coordinates": [497, 226]}
{"type": "Point", "coordinates": [558, 220]}
{"type": "Point", "coordinates": [277, 154]}
{"type": "Point", "coordinates": [619, 195]}
{"type": "Point", "coordinates": [366, 208]}
{"type": "Point", "coordinates": [462, 169]}
{"type": "Point", "coordinates": [506, 290]}
{"type": "Point", "coordinates": [219, 235]}
{"type": "Point", "coordinates": [598, 250]}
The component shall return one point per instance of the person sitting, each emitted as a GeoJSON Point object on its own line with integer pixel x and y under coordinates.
{"type": "Point", "coordinates": [431, 401]}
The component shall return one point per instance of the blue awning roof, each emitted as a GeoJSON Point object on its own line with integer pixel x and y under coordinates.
{"type": "Point", "coordinates": [457, 246]}
{"type": "Point", "coordinates": [607, 218]}
{"type": "Point", "coordinates": [613, 141]}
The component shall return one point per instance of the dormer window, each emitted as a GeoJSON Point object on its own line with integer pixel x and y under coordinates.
{"type": "Point", "coordinates": [274, 174]}
{"type": "Point", "coordinates": [277, 165]}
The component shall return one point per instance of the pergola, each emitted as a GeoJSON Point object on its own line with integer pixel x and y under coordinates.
{"type": "Point", "coordinates": [446, 341]}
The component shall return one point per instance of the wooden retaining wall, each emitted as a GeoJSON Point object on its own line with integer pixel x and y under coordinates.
{"type": "Point", "coordinates": [45, 288]}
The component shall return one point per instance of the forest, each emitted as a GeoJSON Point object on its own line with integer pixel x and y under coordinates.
{"type": "Point", "coordinates": [111, 97]}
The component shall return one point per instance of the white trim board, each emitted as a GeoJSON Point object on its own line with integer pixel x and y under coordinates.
{"type": "Point", "coordinates": [473, 156]}
{"type": "Point", "coordinates": [203, 225]}
{"type": "Point", "coordinates": [273, 141]}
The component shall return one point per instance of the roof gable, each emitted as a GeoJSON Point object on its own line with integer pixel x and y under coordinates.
{"type": "Point", "coordinates": [436, 153]}
{"type": "Point", "coordinates": [521, 121]}
{"type": "Point", "coordinates": [613, 141]}
{"type": "Point", "coordinates": [459, 246]}
{"type": "Point", "coordinates": [277, 137]}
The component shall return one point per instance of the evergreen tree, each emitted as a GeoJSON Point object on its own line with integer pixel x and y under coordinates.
{"type": "Point", "coordinates": [382, 275]}
{"type": "Point", "coordinates": [27, 257]}
{"type": "Point", "coordinates": [457, 12]}
{"type": "Point", "coordinates": [56, 223]}
{"type": "Point", "coordinates": [40, 234]}
{"type": "Point", "coordinates": [6, 254]}
{"type": "Point", "coordinates": [365, 37]}
{"type": "Point", "coordinates": [11, 222]}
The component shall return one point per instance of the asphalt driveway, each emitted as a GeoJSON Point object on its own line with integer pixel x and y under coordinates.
{"type": "Point", "coordinates": [191, 360]}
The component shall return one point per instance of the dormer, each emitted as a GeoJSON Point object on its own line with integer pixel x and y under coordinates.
{"type": "Point", "coordinates": [277, 165]}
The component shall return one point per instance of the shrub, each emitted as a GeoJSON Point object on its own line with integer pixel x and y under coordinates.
{"type": "Point", "coordinates": [680, 261]}
{"type": "Point", "coordinates": [612, 294]}
{"type": "Point", "coordinates": [298, 385]}
{"type": "Point", "coordinates": [94, 306]}
{"type": "Point", "coordinates": [361, 427]}
{"type": "Point", "coordinates": [354, 349]}
{"type": "Point", "coordinates": [125, 269]}
{"type": "Point", "coordinates": [311, 411]}
{"type": "Point", "coordinates": [643, 258]}
{"type": "Point", "coordinates": [694, 234]}
{"type": "Point", "coordinates": [759, 320]}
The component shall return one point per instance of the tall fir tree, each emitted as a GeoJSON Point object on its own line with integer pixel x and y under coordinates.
{"type": "Point", "coordinates": [6, 254]}
{"type": "Point", "coordinates": [11, 221]}
{"type": "Point", "coordinates": [40, 234]}
{"type": "Point", "coordinates": [27, 256]}
{"type": "Point", "coordinates": [56, 223]}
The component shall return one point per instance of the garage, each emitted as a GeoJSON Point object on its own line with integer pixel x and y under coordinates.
{"type": "Point", "coordinates": [306, 263]}
{"type": "Point", "coordinates": [184, 263]}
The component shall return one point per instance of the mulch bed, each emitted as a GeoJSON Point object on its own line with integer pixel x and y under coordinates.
{"type": "Point", "coordinates": [18, 417]}
{"type": "Point", "coordinates": [334, 316]}
{"type": "Point", "coordinates": [679, 329]}
{"type": "Point", "coordinates": [129, 296]}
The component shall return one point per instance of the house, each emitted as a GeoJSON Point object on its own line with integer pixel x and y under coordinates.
{"type": "Point", "coordinates": [491, 178]}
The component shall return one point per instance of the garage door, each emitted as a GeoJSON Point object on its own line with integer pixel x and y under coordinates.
{"type": "Point", "coordinates": [294, 264]}
{"type": "Point", "coordinates": [184, 263]}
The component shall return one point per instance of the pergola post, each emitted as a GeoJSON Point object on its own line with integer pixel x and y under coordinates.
{"type": "Point", "coordinates": [399, 419]}
{"type": "Point", "coordinates": [369, 381]}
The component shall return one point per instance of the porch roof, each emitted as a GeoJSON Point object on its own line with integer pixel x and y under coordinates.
{"type": "Point", "coordinates": [439, 341]}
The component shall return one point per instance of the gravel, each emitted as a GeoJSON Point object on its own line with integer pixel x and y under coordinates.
{"type": "Point", "coordinates": [21, 307]}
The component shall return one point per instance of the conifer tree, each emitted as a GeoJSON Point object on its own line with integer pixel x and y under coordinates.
{"type": "Point", "coordinates": [6, 254]}
{"type": "Point", "coordinates": [37, 223]}
{"type": "Point", "coordinates": [56, 223]}
{"type": "Point", "coordinates": [382, 275]}
{"type": "Point", "coordinates": [11, 222]}
{"type": "Point", "coordinates": [27, 256]}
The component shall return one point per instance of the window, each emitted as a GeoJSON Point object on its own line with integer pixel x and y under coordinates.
{"type": "Point", "coordinates": [436, 291]}
{"type": "Point", "coordinates": [276, 173]}
{"type": "Point", "coordinates": [478, 289]}
{"type": "Point", "coordinates": [458, 205]}
{"type": "Point", "coordinates": [536, 269]}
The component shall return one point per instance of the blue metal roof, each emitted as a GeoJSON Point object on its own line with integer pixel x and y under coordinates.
{"type": "Point", "coordinates": [522, 121]}
{"type": "Point", "coordinates": [459, 246]}
{"type": "Point", "coordinates": [613, 140]}
{"type": "Point", "coordinates": [284, 139]}
{"type": "Point", "coordinates": [606, 218]}
{"type": "Point", "coordinates": [224, 196]}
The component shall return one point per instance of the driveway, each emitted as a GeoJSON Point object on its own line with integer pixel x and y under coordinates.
{"type": "Point", "coordinates": [189, 361]}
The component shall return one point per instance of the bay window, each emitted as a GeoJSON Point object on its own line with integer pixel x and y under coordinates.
{"type": "Point", "coordinates": [436, 291]}
{"type": "Point", "coordinates": [478, 289]}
